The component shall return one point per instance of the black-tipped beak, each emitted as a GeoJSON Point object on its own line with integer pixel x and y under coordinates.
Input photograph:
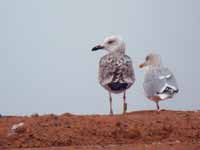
{"type": "Point", "coordinates": [97, 47]}
{"type": "Point", "coordinates": [142, 65]}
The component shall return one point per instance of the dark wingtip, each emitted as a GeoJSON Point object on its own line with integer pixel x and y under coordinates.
{"type": "Point", "coordinates": [177, 91]}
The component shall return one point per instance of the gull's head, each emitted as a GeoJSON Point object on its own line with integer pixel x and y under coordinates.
{"type": "Point", "coordinates": [151, 59]}
{"type": "Point", "coordinates": [112, 44]}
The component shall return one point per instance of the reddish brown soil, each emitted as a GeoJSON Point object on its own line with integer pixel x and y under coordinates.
{"type": "Point", "coordinates": [145, 130]}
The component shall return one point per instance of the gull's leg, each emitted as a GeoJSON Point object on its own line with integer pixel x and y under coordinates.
{"type": "Point", "coordinates": [157, 105]}
{"type": "Point", "coordinates": [110, 98]}
{"type": "Point", "coordinates": [124, 103]}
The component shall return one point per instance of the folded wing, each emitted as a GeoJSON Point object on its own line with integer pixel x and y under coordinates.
{"type": "Point", "coordinates": [161, 82]}
{"type": "Point", "coordinates": [116, 71]}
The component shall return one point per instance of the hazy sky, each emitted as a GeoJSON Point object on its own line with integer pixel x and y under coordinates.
{"type": "Point", "coordinates": [46, 63]}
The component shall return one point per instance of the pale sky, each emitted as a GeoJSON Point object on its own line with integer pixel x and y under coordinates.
{"type": "Point", "coordinates": [47, 65]}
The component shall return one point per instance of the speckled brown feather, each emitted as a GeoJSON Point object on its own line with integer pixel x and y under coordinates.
{"type": "Point", "coordinates": [116, 68]}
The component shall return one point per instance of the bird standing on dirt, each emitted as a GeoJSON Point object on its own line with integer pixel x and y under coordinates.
{"type": "Point", "coordinates": [116, 72]}
{"type": "Point", "coordinates": [159, 82]}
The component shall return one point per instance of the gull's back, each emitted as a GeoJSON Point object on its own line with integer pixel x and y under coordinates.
{"type": "Point", "coordinates": [116, 72]}
{"type": "Point", "coordinates": [160, 80]}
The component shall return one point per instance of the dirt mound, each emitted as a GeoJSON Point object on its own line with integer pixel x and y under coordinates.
{"type": "Point", "coordinates": [144, 127]}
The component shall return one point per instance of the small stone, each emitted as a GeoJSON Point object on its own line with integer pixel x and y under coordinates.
{"type": "Point", "coordinates": [18, 128]}
{"type": "Point", "coordinates": [35, 115]}
{"type": "Point", "coordinates": [177, 141]}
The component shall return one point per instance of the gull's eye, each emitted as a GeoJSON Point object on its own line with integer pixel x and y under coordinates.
{"type": "Point", "coordinates": [111, 41]}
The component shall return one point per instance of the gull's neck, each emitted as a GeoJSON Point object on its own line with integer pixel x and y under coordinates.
{"type": "Point", "coordinates": [150, 67]}
{"type": "Point", "coordinates": [120, 50]}
{"type": "Point", "coordinates": [118, 53]}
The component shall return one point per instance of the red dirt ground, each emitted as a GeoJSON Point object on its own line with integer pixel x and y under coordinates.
{"type": "Point", "coordinates": [164, 130]}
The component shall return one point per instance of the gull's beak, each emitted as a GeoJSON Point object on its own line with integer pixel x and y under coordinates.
{"type": "Point", "coordinates": [97, 47]}
{"type": "Point", "coordinates": [142, 65]}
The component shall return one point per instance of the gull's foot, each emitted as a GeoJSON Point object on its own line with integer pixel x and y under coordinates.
{"type": "Point", "coordinates": [157, 111]}
{"type": "Point", "coordinates": [162, 109]}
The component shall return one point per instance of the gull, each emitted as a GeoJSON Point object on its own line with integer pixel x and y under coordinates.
{"type": "Point", "coordinates": [116, 72]}
{"type": "Point", "coordinates": [159, 82]}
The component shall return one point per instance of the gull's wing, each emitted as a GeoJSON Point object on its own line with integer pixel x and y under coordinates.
{"type": "Point", "coordinates": [157, 79]}
{"type": "Point", "coordinates": [116, 69]}
{"type": "Point", "coordinates": [128, 71]}
{"type": "Point", "coordinates": [106, 69]}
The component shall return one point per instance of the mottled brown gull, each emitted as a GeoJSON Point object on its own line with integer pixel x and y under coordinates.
{"type": "Point", "coordinates": [159, 82]}
{"type": "Point", "coordinates": [116, 72]}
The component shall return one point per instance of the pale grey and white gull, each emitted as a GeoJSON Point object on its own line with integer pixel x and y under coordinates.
{"type": "Point", "coordinates": [159, 82]}
{"type": "Point", "coordinates": [116, 73]}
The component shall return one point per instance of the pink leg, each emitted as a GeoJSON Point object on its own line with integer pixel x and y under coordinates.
{"type": "Point", "coordinates": [157, 105]}
{"type": "Point", "coordinates": [124, 103]}
{"type": "Point", "coordinates": [156, 99]}
{"type": "Point", "coordinates": [110, 98]}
